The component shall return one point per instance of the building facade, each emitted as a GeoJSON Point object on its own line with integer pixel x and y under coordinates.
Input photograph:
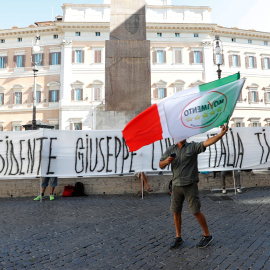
{"type": "Point", "coordinates": [71, 64]}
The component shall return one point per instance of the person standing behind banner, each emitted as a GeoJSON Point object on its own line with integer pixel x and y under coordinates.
{"type": "Point", "coordinates": [139, 175]}
{"type": "Point", "coordinates": [183, 158]}
{"type": "Point", "coordinates": [237, 180]}
{"type": "Point", "coordinates": [45, 183]}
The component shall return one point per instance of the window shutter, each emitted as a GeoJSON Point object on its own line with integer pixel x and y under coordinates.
{"type": "Point", "coordinates": [42, 59]}
{"type": "Point", "coordinates": [223, 58]}
{"type": "Point", "coordinates": [23, 61]}
{"type": "Point", "coordinates": [14, 61]}
{"type": "Point", "coordinates": [255, 62]}
{"type": "Point", "coordinates": [262, 61]}
{"type": "Point", "coordinates": [73, 56]}
{"type": "Point", "coordinates": [164, 56]}
{"type": "Point", "coordinates": [247, 64]}
{"type": "Point", "coordinates": [155, 93]}
{"type": "Point", "coordinates": [230, 61]}
{"type": "Point", "coordinates": [242, 124]}
{"type": "Point", "coordinates": [257, 96]}
{"type": "Point", "coordinates": [20, 98]}
{"type": "Point", "coordinates": [71, 126]}
{"type": "Point", "coordinates": [99, 56]}
{"type": "Point", "coordinates": [239, 60]}
{"type": "Point", "coordinates": [201, 57]}
{"type": "Point", "coordinates": [83, 56]}
{"type": "Point", "coordinates": [240, 96]}
{"type": "Point", "coordinates": [265, 98]}
{"type": "Point", "coordinates": [59, 58]}
{"type": "Point", "coordinates": [50, 59]}
{"type": "Point", "coordinates": [191, 57]}
{"type": "Point", "coordinates": [1, 128]}
{"type": "Point", "coordinates": [57, 98]}
{"type": "Point", "coordinates": [72, 94]}
{"type": "Point", "coordinates": [57, 126]}
{"type": "Point", "coordinates": [249, 97]}
{"type": "Point", "coordinates": [259, 124]}
{"type": "Point", "coordinates": [50, 95]}
{"type": "Point", "coordinates": [165, 92]}
{"type": "Point", "coordinates": [154, 57]}
{"type": "Point", "coordinates": [80, 126]}
{"type": "Point", "coordinates": [81, 94]}
{"type": "Point", "coordinates": [6, 61]}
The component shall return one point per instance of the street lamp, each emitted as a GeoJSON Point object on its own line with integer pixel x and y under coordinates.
{"type": "Point", "coordinates": [36, 61]}
{"type": "Point", "coordinates": [218, 54]}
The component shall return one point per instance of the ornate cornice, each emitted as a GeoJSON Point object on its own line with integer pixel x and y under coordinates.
{"type": "Point", "coordinates": [212, 29]}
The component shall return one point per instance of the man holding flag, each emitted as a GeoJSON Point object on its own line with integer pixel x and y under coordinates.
{"type": "Point", "coordinates": [180, 116]}
{"type": "Point", "coordinates": [183, 159]}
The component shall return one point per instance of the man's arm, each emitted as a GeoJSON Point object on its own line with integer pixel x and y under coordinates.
{"type": "Point", "coordinates": [167, 161]}
{"type": "Point", "coordinates": [213, 140]}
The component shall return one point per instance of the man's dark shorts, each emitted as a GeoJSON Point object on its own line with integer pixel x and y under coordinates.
{"type": "Point", "coordinates": [190, 193]}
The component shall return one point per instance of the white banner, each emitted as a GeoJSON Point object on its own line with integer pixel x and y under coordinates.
{"type": "Point", "coordinates": [91, 153]}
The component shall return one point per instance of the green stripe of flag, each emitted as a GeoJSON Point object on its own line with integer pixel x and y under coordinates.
{"type": "Point", "coordinates": [217, 83]}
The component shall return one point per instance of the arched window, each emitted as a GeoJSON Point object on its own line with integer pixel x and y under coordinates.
{"type": "Point", "coordinates": [54, 91]}
{"type": "Point", "coordinates": [77, 91]}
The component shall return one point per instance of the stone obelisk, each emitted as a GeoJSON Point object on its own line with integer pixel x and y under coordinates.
{"type": "Point", "coordinates": [127, 53]}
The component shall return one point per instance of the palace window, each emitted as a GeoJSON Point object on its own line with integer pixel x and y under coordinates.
{"type": "Point", "coordinates": [18, 98]}
{"type": "Point", "coordinates": [196, 57]}
{"type": "Point", "coordinates": [55, 58]}
{"type": "Point", "coordinates": [251, 61]}
{"type": "Point", "coordinates": [53, 95]}
{"type": "Point", "coordinates": [2, 96]}
{"type": "Point", "coordinates": [159, 56]}
{"type": "Point", "coordinates": [3, 61]}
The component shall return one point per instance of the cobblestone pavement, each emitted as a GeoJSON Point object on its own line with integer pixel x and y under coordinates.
{"type": "Point", "coordinates": [125, 232]}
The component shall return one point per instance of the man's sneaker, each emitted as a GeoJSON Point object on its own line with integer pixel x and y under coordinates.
{"type": "Point", "coordinates": [51, 197]}
{"type": "Point", "coordinates": [239, 190]}
{"type": "Point", "coordinates": [176, 243]}
{"type": "Point", "coordinates": [205, 241]}
{"type": "Point", "coordinates": [38, 198]}
{"type": "Point", "coordinates": [224, 191]}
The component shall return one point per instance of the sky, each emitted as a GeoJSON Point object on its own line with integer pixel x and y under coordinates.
{"type": "Point", "coordinates": [244, 14]}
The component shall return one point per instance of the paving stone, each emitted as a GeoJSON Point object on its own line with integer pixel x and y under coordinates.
{"type": "Point", "coordinates": [123, 232]}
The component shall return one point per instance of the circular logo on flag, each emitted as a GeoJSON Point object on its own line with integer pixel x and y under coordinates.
{"type": "Point", "coordinates": [204, 111]}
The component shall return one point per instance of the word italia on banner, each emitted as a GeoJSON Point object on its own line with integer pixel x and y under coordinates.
{"type": "Point", "coordinates": [95, 153]}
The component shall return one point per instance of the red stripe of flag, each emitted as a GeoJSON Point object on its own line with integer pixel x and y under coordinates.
{"type": "Point", "coordinates": [144, 129]}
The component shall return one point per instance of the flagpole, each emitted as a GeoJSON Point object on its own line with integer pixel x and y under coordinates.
{"type": "Point", "coordinates": [142, 183]}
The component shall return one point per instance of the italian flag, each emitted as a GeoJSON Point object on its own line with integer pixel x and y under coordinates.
{"type": "Point", "coordinates": [186, 113]}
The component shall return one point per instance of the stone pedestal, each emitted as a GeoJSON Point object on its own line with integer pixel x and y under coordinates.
{"type": "Point", "coordinates": [127, 69]}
